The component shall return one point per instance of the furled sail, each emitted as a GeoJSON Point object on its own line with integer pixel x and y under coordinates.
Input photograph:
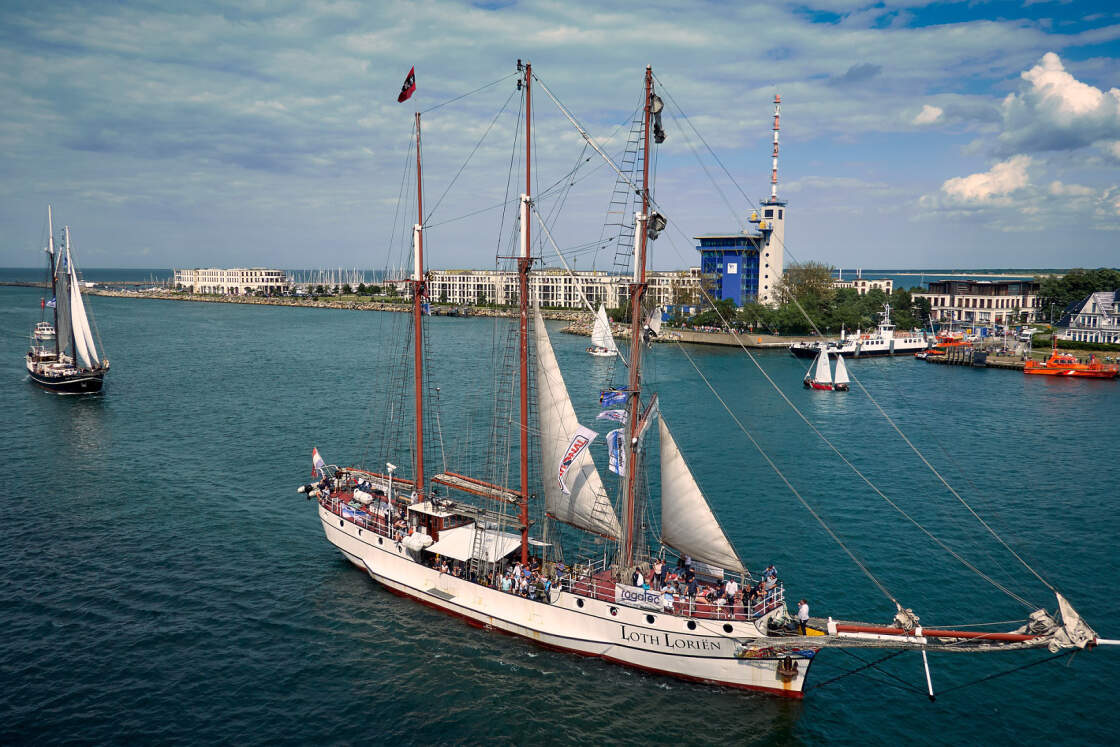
{"type": "Point", "coordinates": [587, 505]}
{"type": "Point", "coordinates": [601, 336]}
{"type": "Point", "coordinates": [841, 371]}
{"type": "Point", "coordinates": [62, 302]}
{"type": "Point", "coordinates": [83, 336]}
{"type": "Point", "coordinates": [687, 522]}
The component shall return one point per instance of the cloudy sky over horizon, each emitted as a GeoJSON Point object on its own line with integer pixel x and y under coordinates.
{"type": "Point", "coordinates": [914, 134]}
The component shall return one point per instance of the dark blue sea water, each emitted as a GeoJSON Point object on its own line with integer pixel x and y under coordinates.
{"type": "Point", "coordinates": [161, 579]}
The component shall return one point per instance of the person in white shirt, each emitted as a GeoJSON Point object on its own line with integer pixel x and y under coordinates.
{"type": "Point", "coordinates": [730, 590]}
{"type": "Point", "coordinates": [802, 614]}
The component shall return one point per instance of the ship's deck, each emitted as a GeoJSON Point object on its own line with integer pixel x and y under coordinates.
{"type": "Point", "coordinates": [592, 585]}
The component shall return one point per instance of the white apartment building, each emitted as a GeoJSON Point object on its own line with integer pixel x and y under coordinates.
{"type": "Point", "coordinates": [1095, 318]}
{"type": "Point", "coordinates": [557, 288]}
{"type": "Point", "coordinates": [983, 302]}
{"type": "Point", "coordinates": [232, 282]}
{"type": "Point", "coordinates": [862, 286]}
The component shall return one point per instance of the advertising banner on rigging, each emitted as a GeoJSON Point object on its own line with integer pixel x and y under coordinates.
{"type": "Point", "coordinates": [617, 461]}
{"type": "Point", "coordinates": [580, 441]}
{"type": "Point", "coordinates": [637, 596]}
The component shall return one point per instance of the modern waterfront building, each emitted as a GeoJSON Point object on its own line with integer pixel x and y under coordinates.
{"type": "Point", "coordinates": [557, 288]}
{"type": "Point", "coordinates": [237, 281]}
{"type": "Point", "coordinates": [1095, 318]}
{"type": "Point", "coordinates": [861, 285]}
{"type": "Point", "coordinates": [983, 302]}
{"type": "Point", "coordinates": [747, 265]}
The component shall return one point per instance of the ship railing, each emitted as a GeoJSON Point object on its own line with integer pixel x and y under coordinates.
{"type": "Point", "coordinates": [362, 517]}
{"type": "Point", "coordinates": [598, 586]}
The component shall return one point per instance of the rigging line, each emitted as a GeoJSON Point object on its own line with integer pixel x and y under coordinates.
{"type": "Point", "coordinates": [867, 572]}
{"type": "Point", "coordinates": [863, 477]}
{"type": "Point", "coordinates": [812, 427]}
{"type": "Point", "coordinates": [711, 178]}
{"type": "Point", "coordinates": [469, 93]}
{"type": "Point", "coordinates": [470, 155]}
{"type": "Point", "coordinates": [1008, 671]}
{"type": "Point", "coordinates": [705, 142]}
{"type": "Point", "coordinates": [578, 285]}
{"type": "Point", "coordinates": [909, 443]}
{"type": "Point", "coordinates": [866, 665]}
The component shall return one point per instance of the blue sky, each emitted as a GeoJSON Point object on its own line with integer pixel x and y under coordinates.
{"type": "Point", "coordinates": [914, 134]}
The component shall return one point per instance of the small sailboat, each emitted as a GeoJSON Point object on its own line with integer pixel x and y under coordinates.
{"type": "Point", "coordinates": [819, 375]}
{"type": "Point", "coordinates": [602, 341]}
{"type": "Point", "coordinates": [840, 379]}
{"type": "Point", "coordinates": [72, 364]}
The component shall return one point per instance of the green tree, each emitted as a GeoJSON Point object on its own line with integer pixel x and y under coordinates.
{"type": "Point", "coordinates": [443, 296]}
{"type": "Point", "coordinates": [375, 290]}
{"type": "Point", "coordinates": [803, 279]}
{"type": "Point", "coordinates": [481, 300]}
{"type": "Point", "coordinates": [346, 289]}
{"type": "Point", "coordinates": [1073, 286]}
{"type": "Point", "coordinates": [362, 289]}
{"type": "Point", "coordinates": [319, 291]}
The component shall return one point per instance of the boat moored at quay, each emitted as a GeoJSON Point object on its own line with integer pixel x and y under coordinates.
{"type": "Point", "coordinates": [654, 582]}
{"type": "Point", "coordinates": [883, 340]}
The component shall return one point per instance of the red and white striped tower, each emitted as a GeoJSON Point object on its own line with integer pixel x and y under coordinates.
{"type": "Point", "coordinates": [774, 167]}
{"type": "Point", "coordinates": [771, 260]}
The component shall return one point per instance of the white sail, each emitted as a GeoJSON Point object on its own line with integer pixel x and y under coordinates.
{"type": "Point", "coordinates": [587, 506]}
{"type": "Point", "coordinates": [687, 522]}
{"type": "Point", "coordinates": [654, 321]}
{"type": "Point", "coordinates": [601, 336]}
{"type": "Point", "coordinates": [83, 336]}
{"type": "Point", "coordinates": [841, 371]}
{"type": "Point", "coordinates": [823, 374]}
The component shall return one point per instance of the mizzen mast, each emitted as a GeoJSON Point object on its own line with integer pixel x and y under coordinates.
{"type": "Point", "coordinates": [418, 292]}
{"type": "Point", "coordinates": [637, 291]}
{"type": "Point", "coordinates": [524, 262]}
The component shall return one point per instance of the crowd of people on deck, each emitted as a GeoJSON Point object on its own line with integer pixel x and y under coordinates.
{"type": "Point", "coordinates": [679, 585]}
{"type": "Point", "coordinates": [683, 584]}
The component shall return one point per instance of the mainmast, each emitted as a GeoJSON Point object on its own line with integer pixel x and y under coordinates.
{"type": "Point", "coordinates": [71, 279]}
{"type": "Point", "coordinates": [524, 262]}
{"type": "Point", "coordinates": [54, 281]}
{"type": "Point", "coordinates": [418, 291]}
{"type": "Point", "coordinates": [637, 291]}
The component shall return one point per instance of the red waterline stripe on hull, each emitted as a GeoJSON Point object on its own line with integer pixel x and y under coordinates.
{"type": "Point", "coordinates": [795, 694]}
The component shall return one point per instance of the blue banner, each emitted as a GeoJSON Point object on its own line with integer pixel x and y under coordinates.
{"type": "Point", "coordinates": [611, 398]}
{"type": "Point", "coordinates": [617, 460]}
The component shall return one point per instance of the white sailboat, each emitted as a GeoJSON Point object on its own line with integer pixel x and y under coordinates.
{"type": "Point", "coordinates": [840, 381]}
{"type": "Point", "coordinates": [819, 375]}
{"type": "Point", "coordinates": [468, 546]}
{"type": "Point", "coordinates": [602, 340]}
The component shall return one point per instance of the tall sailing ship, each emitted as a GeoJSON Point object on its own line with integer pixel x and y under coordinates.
{"type": "Point", "coordinates": [63, 357]}
{"type": "Point", "coordinates": [679, 601]}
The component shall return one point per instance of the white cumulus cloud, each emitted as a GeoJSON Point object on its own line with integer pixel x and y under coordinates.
{"type": "Point", "coordinates": [1058, 189]}
{"type": "Point", "coordinates": [1002, 179]}
{"type": "Point", "coordinates": [1055, 111]}
{"type": "Point", "coordinates": [928, 115]}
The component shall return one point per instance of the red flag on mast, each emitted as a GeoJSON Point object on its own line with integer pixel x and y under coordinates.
{"type": "Point", "coordinates": [409, 86]}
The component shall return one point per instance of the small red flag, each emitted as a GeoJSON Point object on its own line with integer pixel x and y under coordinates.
{"type": "Point", "coordinates": [409, 86]}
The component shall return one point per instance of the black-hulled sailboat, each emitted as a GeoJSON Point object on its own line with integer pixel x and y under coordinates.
{"type": "Point", "coordinates": [64, 357]}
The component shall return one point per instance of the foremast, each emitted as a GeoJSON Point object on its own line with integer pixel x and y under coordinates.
{"type": "Point", "coordinates": [54, 282]}
{"type": "Point", "coordinates": [634, 400]}
{"type": "Point", "coordinates": [524, 262]}
{"type": "Point", "coordinates": [418, 284]}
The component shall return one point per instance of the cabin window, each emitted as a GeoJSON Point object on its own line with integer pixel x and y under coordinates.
{"type": "Point", "coordinates": [769, 213]}
{"type": "Point", "coordinates": [691, 625]}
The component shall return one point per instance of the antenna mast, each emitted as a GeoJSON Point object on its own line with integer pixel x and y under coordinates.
{"type": "Point", "coordinates": [774, 166]}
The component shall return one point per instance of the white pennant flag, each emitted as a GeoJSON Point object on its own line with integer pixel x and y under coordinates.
{"type": "Point", "coordinates": [580, 441]}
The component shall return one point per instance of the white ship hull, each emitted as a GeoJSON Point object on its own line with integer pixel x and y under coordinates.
{"type": "Point", "coordinates": [708, 652]}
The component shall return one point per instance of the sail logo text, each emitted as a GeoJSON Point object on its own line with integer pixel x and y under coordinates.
{"type": "Point", "coordinates": [668, 641]}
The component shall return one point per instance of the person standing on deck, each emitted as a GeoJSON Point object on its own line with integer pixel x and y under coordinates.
{"type": "Point", "coordinates": [802, 615]}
